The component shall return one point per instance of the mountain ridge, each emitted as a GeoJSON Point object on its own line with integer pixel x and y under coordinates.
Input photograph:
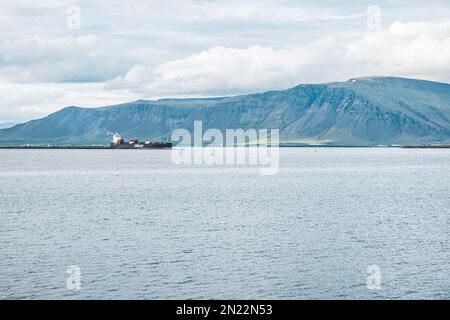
{"type": "Point", "coordinates": [360, 111]}
{"type": "Point", "coordinates": [8, 124]}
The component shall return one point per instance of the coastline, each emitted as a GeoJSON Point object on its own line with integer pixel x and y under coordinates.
{"type": "Point", "coordinates": [281, 146]}
{"type": "Point", "coordinates": [58, 147]}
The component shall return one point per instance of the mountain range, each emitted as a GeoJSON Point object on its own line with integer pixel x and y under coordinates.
{"type": "Point", "coordinates": [360, 111]}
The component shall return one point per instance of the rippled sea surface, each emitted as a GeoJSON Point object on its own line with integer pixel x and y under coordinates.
{"type": "Point", "coordinates": [140, 227]}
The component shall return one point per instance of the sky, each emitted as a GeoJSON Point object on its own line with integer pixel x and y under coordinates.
{"type": "Point", "coordinates": [58, 53]}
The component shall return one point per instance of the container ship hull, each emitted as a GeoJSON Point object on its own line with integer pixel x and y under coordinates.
{"type": "Point", "coordinates": [158, 145]}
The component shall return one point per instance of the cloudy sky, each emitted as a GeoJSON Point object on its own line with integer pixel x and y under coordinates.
{"type": "Point", "coordinates": [56, 53]}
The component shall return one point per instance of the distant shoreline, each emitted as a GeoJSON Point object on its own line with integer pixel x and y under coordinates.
{"type": "Point", "coordinates": [58, 147]}
{"type": "Point", "coordinates": [289, 145]}
{"type": "Point", "coordinates": [444, 146]}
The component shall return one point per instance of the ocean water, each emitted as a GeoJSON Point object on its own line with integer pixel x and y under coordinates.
{"type": "Point", "coordinates": [140, 227]}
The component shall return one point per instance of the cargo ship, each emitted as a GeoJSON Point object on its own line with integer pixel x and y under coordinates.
{"type": "Point", "coordinates": [119, 143]}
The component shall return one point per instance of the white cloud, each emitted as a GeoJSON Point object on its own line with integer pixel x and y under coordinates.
{"type": "Point", "coordinates": [413, 49]}
{"type": "Point", "coordinates": [22, 102]}
{"type": "Point", "coordinates": [403, 49]}
{"type": "Point", "coordinates": [221, 70]}
{"type": "Point", "coordinates": [257, 11]}
{"type": "Point", "coordinates": [414, 29]}
{"type": "Point", "coordinates": [84, 58]}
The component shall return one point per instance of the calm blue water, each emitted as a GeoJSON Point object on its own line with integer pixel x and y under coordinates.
{"type": "Point", "coordinates": [140, 227]}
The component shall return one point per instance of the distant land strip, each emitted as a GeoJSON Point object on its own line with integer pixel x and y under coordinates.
{"type": "Point", "coordinates": [287, 145]}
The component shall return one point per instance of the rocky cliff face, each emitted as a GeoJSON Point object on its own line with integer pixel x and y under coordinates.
{"type": "Point", "coordinates": [364, 111]}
